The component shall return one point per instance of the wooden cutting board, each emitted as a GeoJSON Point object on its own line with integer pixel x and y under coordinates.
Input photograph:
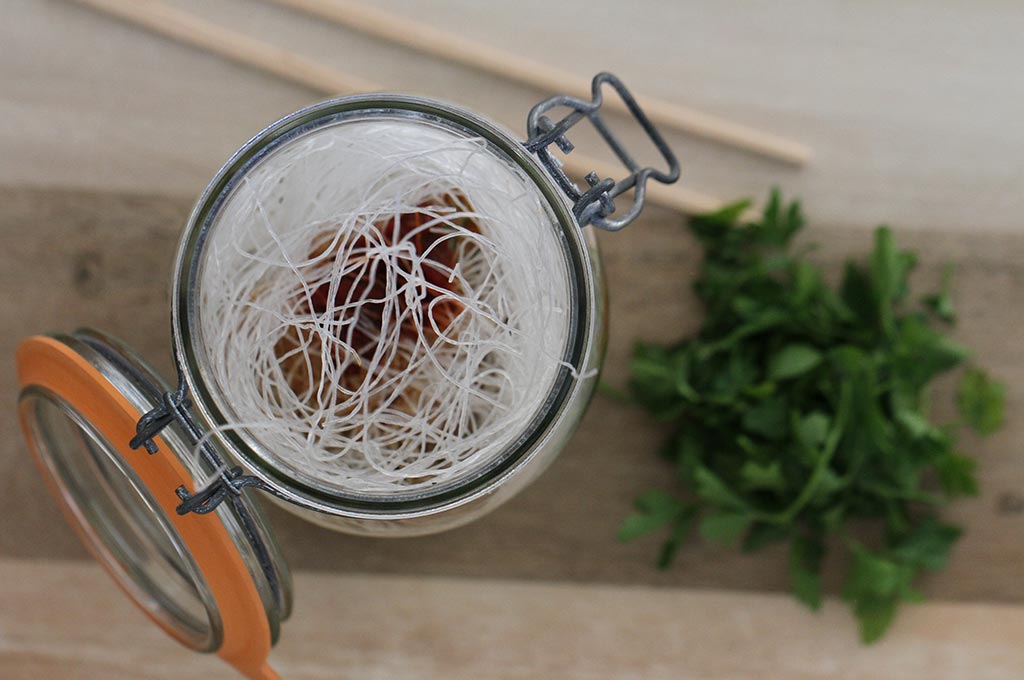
{"type": "Point", "coordinates": [74, 624]}
{"type": "Point", "coordinates": [69, 259]}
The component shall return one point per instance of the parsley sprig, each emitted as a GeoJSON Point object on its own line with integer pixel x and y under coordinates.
{"type": "Point", "coordinates": [800, 410]}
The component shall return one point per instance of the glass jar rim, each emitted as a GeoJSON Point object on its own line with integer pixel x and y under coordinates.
{"type": "Point", "coordinates": [185, 317]}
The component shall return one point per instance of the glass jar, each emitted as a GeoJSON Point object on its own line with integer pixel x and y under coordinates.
{"type": "Point", "coordinates": [199, 558]}
{"type": "Point", "coordinates": [418, 511]}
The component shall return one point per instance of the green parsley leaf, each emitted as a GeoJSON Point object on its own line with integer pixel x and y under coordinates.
{"type": "Point", "coordinates": [805, 557]}
{"type": "Point", "coordinates": [762, 475]}
{"type": "Point", "coordinates": [941, 303]}
{"type": "Point", "coordinates": [681, 528]}
{"type": "Point", "coordinates": [654, 510]}
{"type": "Point", "coordinates": [928, 546]}
{"type": "Point", "coordinates": [957, 475]}
{"type": "Point", "coordinates": [724, 527]}
{"type": "Point", "coordinates": [768, 418]}
{"type": "Point", "coordinates": [713, 490]}
{"type": "Point", "coordinates": [889, 270]}
{"type": "Point", "coordinates": [981, 401]}
{"type": "Point", "coordinates": [792, 361]}
{"type": "Point", "coordinates": [764, 533]}
{"type": "Point", "coordinates": [812, 430]}
{"type": "Point", "coordinates": [875, 615]}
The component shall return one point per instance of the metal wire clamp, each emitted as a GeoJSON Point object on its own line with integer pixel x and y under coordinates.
{"type": "Point", "coordinates": [206, 499]}
{"type": "Point", "coordinates": [596, 205]}
{"type": "Point", "coordinates": [174, 408]}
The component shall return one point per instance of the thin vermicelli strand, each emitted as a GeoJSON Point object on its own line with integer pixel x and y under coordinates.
{"type": "Point", "coordinates": [387, 302]}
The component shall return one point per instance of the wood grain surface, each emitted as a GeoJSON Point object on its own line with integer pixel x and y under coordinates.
{"type": "Point", "coordinates": [913, 108]}
{"type": "Point", "coordinates": [400, 628]}
{"type": "Point", "coordinates": [104, 260]}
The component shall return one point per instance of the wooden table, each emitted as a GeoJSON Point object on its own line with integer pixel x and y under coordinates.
{"type": "Point", "coordinates": [914, 112]}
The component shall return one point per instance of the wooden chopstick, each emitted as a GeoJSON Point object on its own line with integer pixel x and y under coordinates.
{"type": "Point", "coordinates": [192, 30]}
{"type": "Point", "coordinates": [189, 29]}
{"type": "Point", "coordinates": [457, 48]}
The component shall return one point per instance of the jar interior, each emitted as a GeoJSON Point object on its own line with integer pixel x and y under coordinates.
{"type": "Point", "coordinates": [313, 368]}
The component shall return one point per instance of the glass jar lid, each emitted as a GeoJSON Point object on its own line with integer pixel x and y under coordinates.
{"type": "Point", "coordinates": [215, 582]}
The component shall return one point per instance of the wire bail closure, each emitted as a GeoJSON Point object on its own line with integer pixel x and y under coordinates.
{"type": "Point", "coordinates": [206, 499]}
{"type": "Point", "coordinates": [228, 481]}
{"type": "Point", "coordinates": [596, 204]}
{"type": "Point", "coordinates": [174, 408]}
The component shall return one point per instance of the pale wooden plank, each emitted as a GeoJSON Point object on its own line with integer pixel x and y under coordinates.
{"type": "Point", "coordinates": [68, 259]}
{"type": "Point", "coordinates": [192, 30]}
{"type": "Point", "coordinates": [913, 110]}
{"type": "Point", "coordinates": [68, 620]}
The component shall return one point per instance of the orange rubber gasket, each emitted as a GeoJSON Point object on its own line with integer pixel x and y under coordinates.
{"type": "Point", "coordinates": [53, 365]}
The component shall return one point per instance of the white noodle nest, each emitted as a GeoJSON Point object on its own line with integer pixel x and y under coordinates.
{"type": "Point", "coordinates": [432, 401]}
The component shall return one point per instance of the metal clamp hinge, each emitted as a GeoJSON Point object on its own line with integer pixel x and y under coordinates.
{"type": "Point", "coordinates": [206, 499]}
{"type": "Point", "coordinates": [596, 204]}
{"type": "Point", "coordinates": [174, 408]}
